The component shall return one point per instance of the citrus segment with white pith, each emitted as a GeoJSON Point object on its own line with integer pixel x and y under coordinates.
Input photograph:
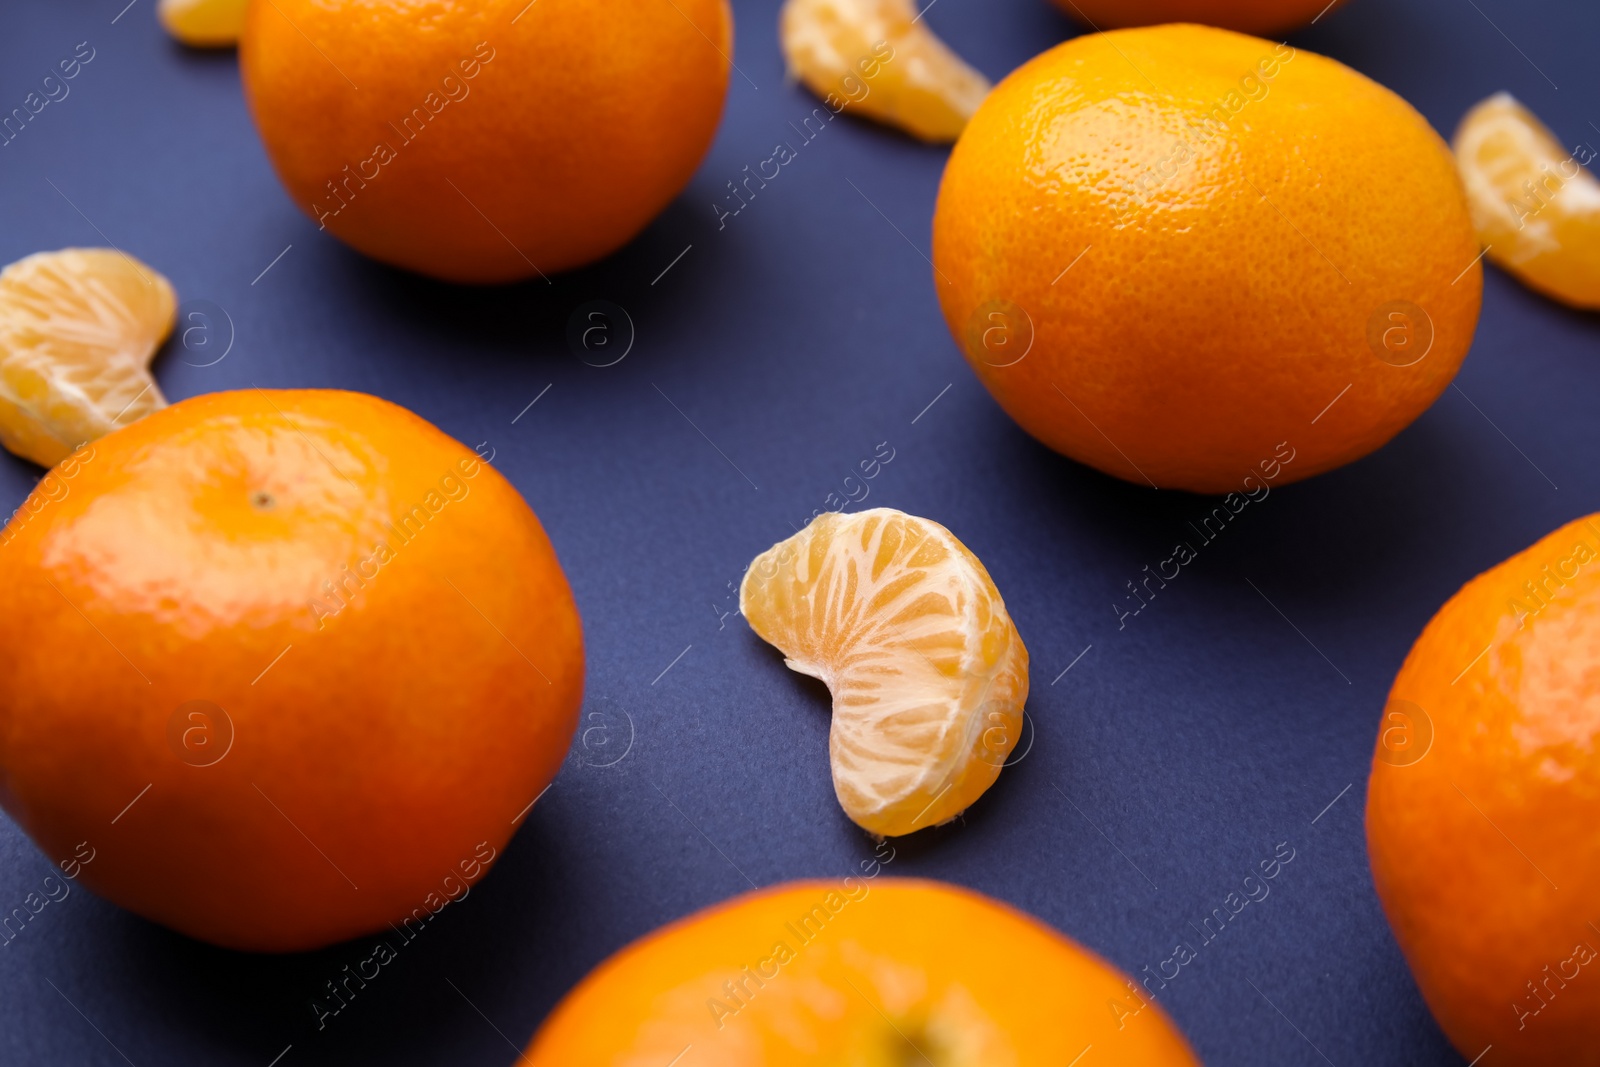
{"type": "Point", "coordinates": [78, 329]}
{"type": "Point", "coordinates": [1535, 207]}
{"type": "Point", "coordinates": [879, 59]}
{"type": "Point", "coordinates": [927, 671]}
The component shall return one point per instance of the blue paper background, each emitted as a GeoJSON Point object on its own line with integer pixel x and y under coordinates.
{"type": "Point", "coordinates": [1167, 762]}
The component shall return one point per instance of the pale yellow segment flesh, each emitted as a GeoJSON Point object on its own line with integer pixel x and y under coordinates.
{"type": "Point", "coordinates": [927, 672]}
{"type": "Point", "coordinates": [1535, 207]}
{"type": "Point", "coordinates": [204, 23]}
{"type": "Point", "coordinates": [78, 329]}
{"type": "Point", "coordinates": [878, 59]}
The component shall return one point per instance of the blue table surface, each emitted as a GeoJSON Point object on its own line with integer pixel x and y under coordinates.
{"type": "Point", "coordinates": [1175, 753]}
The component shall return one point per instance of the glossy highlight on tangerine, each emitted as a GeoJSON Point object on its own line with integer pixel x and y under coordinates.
{"type": "Point", "coordinates": [1167, 282]}
{"type": "Point", "coordinates": [1481, 808]}
{"type": "Point", "coordinates": [283, 659]}
{"type": "Point", "coordinates": [862, 971]}
{"type": "Point", "coordinates": [78, 330]}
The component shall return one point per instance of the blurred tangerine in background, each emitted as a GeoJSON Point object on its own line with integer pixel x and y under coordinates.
{"type": "Point", "coordinates": [1536, 206]}
{"type": "Point", "coordinates": [283, 661]}
{"type": "Point", "coordinates": [1483, 801]}
{"type": "Point", "coordinates": [486, 142]}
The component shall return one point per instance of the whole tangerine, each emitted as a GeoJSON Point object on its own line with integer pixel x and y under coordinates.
{"type": "Point", "coordinates": [1173, 253]}
{"type": "Point", "coordinates": [1483, 802]}
{"type": "Point", "coordinates": [286, 666]}
{"type": "Point", "coordinates": [857, 971]}
{"type": "Point", "coordinates": [486, 142]}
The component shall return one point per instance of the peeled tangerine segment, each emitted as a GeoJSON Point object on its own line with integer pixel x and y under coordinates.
{"type": "Point", "coordinates": [927, 672]}
{"type": "Point", "coordinates": [204, 23]}
{"type": "Point", "coordinates": [877, 58]}
{"type": "Point", "coordinates": [1534, 205]}
{"type": "Point", "coordinates": [78, 329]}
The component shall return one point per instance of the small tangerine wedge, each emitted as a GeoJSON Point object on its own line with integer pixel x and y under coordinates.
{"type": "Point", "coordinates": [1483, 802]}
{"type": "Point", "coordinates": [1535, 207]}
{"type": "Point", "coordinates": [857, 972]}
{"type": "Point", "coordinates": [488, 141]}
{"type": "Point", "coordinates": [204, 23]}
{"type": "Point", "coordinates": [78, 329]}
{"type": "Point", "coordinates": [877, 59]}
{"type": "Point", "coordinates": [927, 671]}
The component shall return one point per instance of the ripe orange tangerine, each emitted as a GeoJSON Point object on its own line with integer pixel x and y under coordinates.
{"type": "Point", "coordinates": [288, 663]}
{"type": "Point", "coordinates": [488, 141]}
{"type": "Point", "coordinates": [1483, 802]}
{"type": "Point", "coordinates": [870, 974]}
{"type": "Point", "coordinates": [1169, 251]}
